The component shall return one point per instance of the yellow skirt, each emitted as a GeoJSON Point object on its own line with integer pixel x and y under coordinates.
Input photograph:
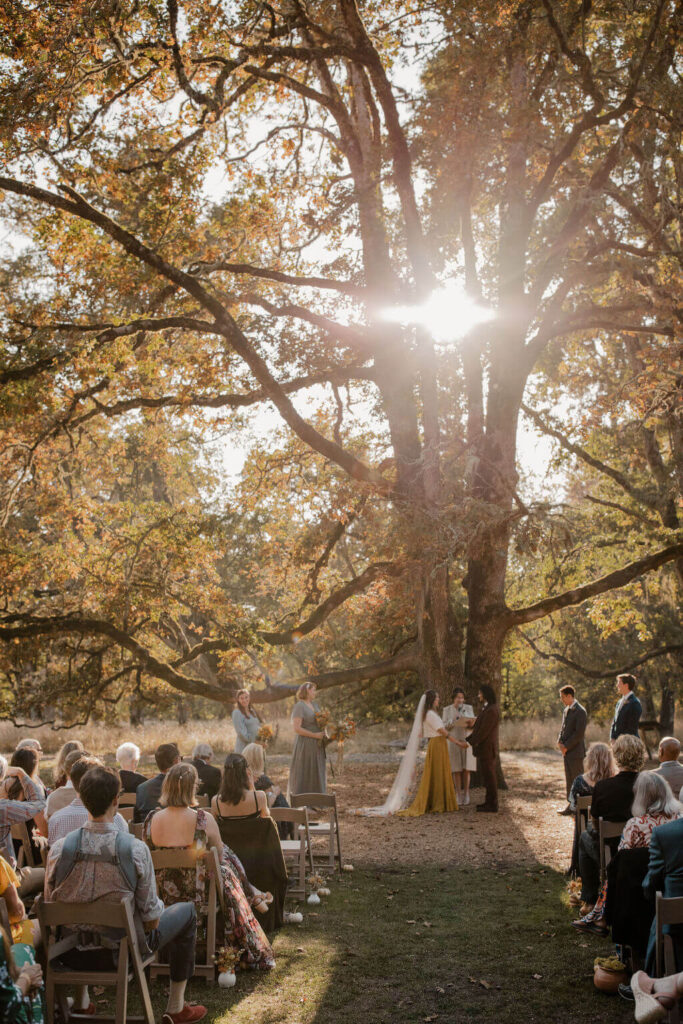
{"type": "Point", "coordinates": [436, 793]}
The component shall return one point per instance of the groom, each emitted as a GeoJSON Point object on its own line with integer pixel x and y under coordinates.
{"type": "Point", "coordinates": [484, 742]}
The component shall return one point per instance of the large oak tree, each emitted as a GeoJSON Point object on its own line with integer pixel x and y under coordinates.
{"type": "Point", "coordinates": [366, 153]}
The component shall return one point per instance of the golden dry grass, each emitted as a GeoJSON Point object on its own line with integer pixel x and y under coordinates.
{"type": "Point", "coordinates": [98, 737]}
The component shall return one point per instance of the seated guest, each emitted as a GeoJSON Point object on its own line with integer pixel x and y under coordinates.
{"type": "Point", "coordinates": [599, 765]}
{"type": "Point", "coordinates": [179, 824]}
{"type": "Point", "coordinates": [240, 811]}
{"type": "Point", "coordinates": [59, 774]}
{"type": "Point", "coordinates": [653, 804]}
{"type": "Point", "coordinates": [665, 875]}
{"type": "Point", "coordinates": [65, 795]}
{"type": "Point", "coordinates": [669, 765]}
{"type": "Point", "coordinates": [20, 800]}
{"type": "Point", "coordinates": [128, 758]}
{"type": "Point", "coordinates": [75, 814]}
{"type": "Point", "coordinates": [147, 793]}
{"type": "Point", "coordinates": [254, 756]}
{"type": "Point", "coordinates": [209, 777]}
{"type": "Point", "coordinates": [33, 744]}
{"type": "Point", "coordinates": [21, 988]}
{"type": "Point", "coordinates": [22, 930]}
{"type": "Point", "coordinates": [3, 767]}
{"type": "Point", "coordinates": [612, 799]}
{"type": "Point", "coordinates": [99, 862]}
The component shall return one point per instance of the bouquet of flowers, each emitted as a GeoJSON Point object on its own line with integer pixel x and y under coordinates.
{"type": "Point", "coordinates": [343, 729]}
{"type": "Point", "coordinates": [322, 719]}
{"type": "Point", "coordinates": [265, 734]}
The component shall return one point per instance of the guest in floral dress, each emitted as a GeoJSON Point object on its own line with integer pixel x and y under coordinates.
{"type": "Point", "coordinates": [179, 824]}
{"type": "Point", "coordinates": [21, 984]}
{"type": "Point", "coordinates": [653, 804]}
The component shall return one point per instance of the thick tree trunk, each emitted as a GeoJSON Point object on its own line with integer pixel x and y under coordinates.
{"type": "Point", "coordinates": [440, 635]}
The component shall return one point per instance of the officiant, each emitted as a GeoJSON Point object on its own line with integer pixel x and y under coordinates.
{"type": "Point", "coordinates": [458, 717]}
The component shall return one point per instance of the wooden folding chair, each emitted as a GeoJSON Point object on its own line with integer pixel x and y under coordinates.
{"type": "Point", "coordinates": [135, 828]}
{"type": "Point", "coordinates": [668, 911]}
{"type": "Point", "coordinates": [127, 813]}
{"type": "Point", "coordinates": [607, 830]}
{"type": "Point", "coordinates": [581, 812]}
{"type": "Point", "coordinates": [126, 800]}
{"type": "Point", "coordinates": [202, 800]}
{"type": "Point", "coordinates": [25, 856]}
{"type": "Point", "coordinates": [298, 850]}
{"type": "Point", "coordinates": [327, 829]}
{"type": "Point", "coordinates": [187, 860]}
{"type": "Point", "coordinates": [131, 962]}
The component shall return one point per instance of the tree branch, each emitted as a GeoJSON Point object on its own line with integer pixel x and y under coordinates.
{"type": "Point", "coordinates": [334, 601]}
{"type": "Point", "coordinates": [592, 673]}
{"type": "Point", "coordinates": [406, 661]}
{"type": "Point", "coordinates": [612, 581]}
{"type": "Point", "coordinates": [77, 206]}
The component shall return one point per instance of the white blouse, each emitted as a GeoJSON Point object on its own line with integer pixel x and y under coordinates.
{"type": "Point", "coordinates": [431, 725]}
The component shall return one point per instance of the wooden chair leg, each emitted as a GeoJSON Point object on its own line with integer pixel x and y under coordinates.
{"type": "Point", "coordinates": [50, 997]}
{"type": "Point", "coordinates": [339, 849]}
{"type": "Point", "coordinates": [122, 985]}
{"type": "Point", "coordinates": [143, 988]}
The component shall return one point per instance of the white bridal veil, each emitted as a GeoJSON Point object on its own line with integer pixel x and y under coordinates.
{"type": "Point", "coordinates": [403, 783]}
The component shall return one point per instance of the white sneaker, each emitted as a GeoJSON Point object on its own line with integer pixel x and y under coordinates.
{"type": "Point", "coordinates": [466, 799]}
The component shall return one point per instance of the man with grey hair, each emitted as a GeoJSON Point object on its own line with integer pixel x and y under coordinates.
{"type": "Point", "coordinates": [209, 777]}
{"type": "Point", "coordinates": [669, 766]}
{"type": "Point", "coordinates": [128, 758]}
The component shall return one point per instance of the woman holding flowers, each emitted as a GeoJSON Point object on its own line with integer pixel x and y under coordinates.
{"type": "Point", "coordinates": [245, 720]}
{"type": "Point", "coordinates": [307, 769]}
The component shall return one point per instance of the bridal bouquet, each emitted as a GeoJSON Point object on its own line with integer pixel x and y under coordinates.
{"type": "Point", "coordinates": [265, 734]}
{"type": "Point", "coordinates": [322, 719]}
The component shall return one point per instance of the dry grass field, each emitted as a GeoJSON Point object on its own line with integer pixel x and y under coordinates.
{"type": "Point", "coordinates": [98, 737]}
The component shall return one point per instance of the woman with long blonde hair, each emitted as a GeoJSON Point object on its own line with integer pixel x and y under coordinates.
{"type": "Point", "coordinates": [245, 720]}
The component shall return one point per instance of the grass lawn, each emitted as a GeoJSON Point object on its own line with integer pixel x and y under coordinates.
{"type": "Point", "coordinates": [433, 945]}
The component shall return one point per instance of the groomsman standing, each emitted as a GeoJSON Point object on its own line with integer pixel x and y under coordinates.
{"type": "Point", "coordinates": [571, 738]}
{"type": "Point", "coordinates": [628, 710]}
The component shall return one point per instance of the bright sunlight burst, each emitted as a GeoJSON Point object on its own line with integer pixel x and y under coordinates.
{"type": "Point", "coordinates": [449, 313]}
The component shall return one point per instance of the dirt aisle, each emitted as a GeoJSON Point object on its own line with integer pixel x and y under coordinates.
{"type": "Point", "coordinates": [526, 831]}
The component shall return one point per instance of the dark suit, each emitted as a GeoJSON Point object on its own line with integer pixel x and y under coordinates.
{"type": "Point", "coordinates": [484, 742]}
{"type": "Point", "coordinates": [665, 874]}
{"type": "Point", "coordinates": [131, 780]}
{"type": "Point", "coordinates": [209, 778]}
{"type": "Point", "coordinates": [147, 796]}
{"type": "Point", "coordinates": [626, 717]}
{"type": "Point", "coordinates": [574, 721]}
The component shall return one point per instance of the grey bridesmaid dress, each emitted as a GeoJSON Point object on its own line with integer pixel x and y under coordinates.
{"type": "Point", "coordinates": [307, 769]}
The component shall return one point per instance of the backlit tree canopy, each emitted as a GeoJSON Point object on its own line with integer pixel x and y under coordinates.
{"type": "Point", "coordinates": [211, 206]}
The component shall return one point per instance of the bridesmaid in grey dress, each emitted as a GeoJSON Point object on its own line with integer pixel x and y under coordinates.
{"type": "Point", "coordinates": [307, 769]}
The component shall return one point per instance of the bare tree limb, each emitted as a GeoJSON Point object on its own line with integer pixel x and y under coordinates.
{"type": "Point", "coordinates": [593, 673]}
{"type": "Point", "coordinates": [612, 581]}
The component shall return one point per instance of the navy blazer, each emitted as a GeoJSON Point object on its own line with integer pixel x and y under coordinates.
{"type": "Point", "coordinates": [147, 797]}
{"type": "Point", "coordinates": [626, 718]}
{"type": "Point", "coordinates": [665, 875]}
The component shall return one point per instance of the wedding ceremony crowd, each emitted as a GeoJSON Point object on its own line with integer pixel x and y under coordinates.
{"type": "Point", "coordinates": [99, 836]}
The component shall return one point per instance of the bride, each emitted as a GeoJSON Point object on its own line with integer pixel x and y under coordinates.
{"type": "Point", "coordinates": [436, 792]}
